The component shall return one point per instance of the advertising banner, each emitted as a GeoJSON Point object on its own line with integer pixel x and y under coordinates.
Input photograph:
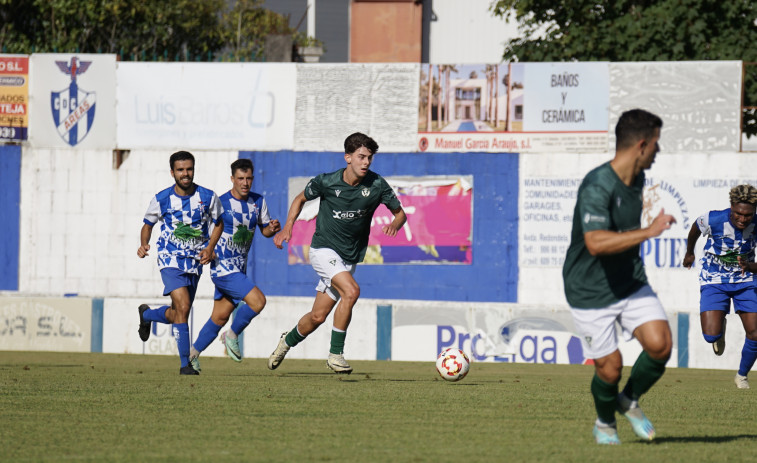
{"type": "Point", "coordinates": [439, 227]}
{"type": "Point", "coordinates": [14, 97]}
{"type": "Point", "coordinates": [45, 324]}
{"type": "Point", "coordinates": [514, 107]}
{"type": "Point", "coordinates": [698, 101]}
{"type": "Point", "coordinates": [241, 106]}
{"type": "Point", "coordinates": [72, 101]}
{"type": "Point", "coordinates": [335, 100]}
{"type": "Point", "coordinates": [683, 185]}
{"type": "Point", "coordinates": [512, 333]}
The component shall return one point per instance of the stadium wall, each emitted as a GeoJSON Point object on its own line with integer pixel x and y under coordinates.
{"type": "Point", "coordinates": [81, 207]}
{"type": "Point", "coordinates": [381, 330]}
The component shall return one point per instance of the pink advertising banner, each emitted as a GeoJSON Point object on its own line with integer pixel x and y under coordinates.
{"type": "Point", "coordinates": [439, 226]}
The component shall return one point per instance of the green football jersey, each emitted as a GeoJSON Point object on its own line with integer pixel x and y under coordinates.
{"type": "Point", "coordinates": [604, 203]}
{"type": "Point", "coordinates": [345, 212]}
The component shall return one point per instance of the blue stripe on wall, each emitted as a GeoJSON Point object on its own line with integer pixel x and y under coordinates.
{"type": "Point", "coordinates": [96, 341]}
{"type": "Point", "coordinates": [383, 332]}
{"type": "Point", "coordinates": [493, 276]}
{"type": "Point", "coordinates": [10, 197]}
{"type": "Point", "coordinates": [683, 340]}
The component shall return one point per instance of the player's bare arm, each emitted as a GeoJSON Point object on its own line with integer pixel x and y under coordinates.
{"type": "Point", "coordinates": [694, 234]}
{"type": "Point", "coordinates": [399, 220]}
{"type": "Point", "coordinates": [208, 253]}
{"type": "Point", "coordinates": [144, 238]}
{"type": "Point", "coordinates": [605, 242]}
{"type": "Point", "coordinates": [271, 229]}
{"type": "Point", "coordinates": [294, 211]}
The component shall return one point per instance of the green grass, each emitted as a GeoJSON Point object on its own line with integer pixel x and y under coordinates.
{"type": "Point", "coordinates": [104, 407]}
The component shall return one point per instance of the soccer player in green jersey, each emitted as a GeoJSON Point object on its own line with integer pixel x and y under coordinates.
{"type": "Point", "coordinates": [348, 199]}
{"type": "Point", "coordinates": [605, 281]}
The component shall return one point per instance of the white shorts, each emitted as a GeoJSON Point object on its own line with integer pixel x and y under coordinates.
{"type": "Point", "coordinates": [597, 327]}
{"type": "Point", "coordinates": [327, 263]}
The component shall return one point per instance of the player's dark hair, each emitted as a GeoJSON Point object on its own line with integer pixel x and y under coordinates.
{"type": "Point", "coordinates": [635, 125]}
{"type": "Point", "coordinates": [242, 164]}
{"type": "Point", "coordinates": [357, 140]}
{"type": "Point", "coordinates": [181, 156]}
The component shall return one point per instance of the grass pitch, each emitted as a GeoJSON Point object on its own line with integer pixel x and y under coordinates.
{"type": "Point", "coordinates": [105, 407]}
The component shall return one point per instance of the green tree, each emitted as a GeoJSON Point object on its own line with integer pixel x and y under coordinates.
{"type": "Point", "coordinates": [627, 30]}
{"type": "Point", "coordinates": [245, 27]}
{"type": "Point", "coordinates": [181, 30]}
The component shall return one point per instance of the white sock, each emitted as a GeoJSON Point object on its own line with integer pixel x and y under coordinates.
{"type": "Point", "coordinates": [626, 403]}
{"type": "Point", "coordinates": [602, 424]}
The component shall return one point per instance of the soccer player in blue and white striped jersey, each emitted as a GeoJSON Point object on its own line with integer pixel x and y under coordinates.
{"type": "Point", "coordinates": [727, 273]}
{"type": "Point", "coordinates": [185, 211]}
{"type": "Point", "coordinates": [243, 212]}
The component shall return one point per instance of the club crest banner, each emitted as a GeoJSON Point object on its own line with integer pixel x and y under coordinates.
{"type": "Point", "coordinates": [74, 101]}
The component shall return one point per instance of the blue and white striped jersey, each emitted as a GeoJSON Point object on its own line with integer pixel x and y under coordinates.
{"type": "Point", "coordinates": [184, 226]}
{"type": "Point", "coordinates": [239, 221]}
{"type": "Point", "coordinates": [725, 243]}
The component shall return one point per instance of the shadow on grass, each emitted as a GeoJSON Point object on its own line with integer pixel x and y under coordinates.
{"type": "Point", "coordinates": [708, 439]}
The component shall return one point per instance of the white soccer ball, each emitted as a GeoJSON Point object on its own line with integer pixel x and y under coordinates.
{"type": "Point", "coordinates": [452, 364]}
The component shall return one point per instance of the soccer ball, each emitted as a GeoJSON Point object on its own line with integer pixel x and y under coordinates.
{"type": "Point", "coordinates": [452, 364]}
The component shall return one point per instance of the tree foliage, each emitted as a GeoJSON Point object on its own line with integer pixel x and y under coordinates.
{"type": "Point", "coordinates": [139, 29]}
{"type": "Point", "coordinates": [623, 30]}
{"type": "Point", "coordinates": [628, 30]}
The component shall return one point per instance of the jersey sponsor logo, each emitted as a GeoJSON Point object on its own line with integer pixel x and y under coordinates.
{"type": "Point", "coordinates": [618, 200]}
{"type": "Point", "coordinates": [185, 232]}
{"type": "Point", "coordinates": [349, 214]}
{"type": "Point", "coordinates": [337, 192]}
{"type": "Point", "coordinates": [332, 262]}
{"type": "Point", "coordinates": [310, 189]}
{"type": "Point", "coordinates": [365, 192]}
{"type": "Point", "coordinates": [588, 340]}
{"type": "Point", "coordinates": [594, 218]}
{"type": "Point", "coordinates": [73, 108]}
{"type": "Point", "coordinates": [242, 236]}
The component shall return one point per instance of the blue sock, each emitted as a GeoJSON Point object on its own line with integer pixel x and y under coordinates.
{"type": "Point", "coordinates": [208, 334]}
{"type": "Point", "coordinates": [748, 356]}
{"type": "Point", "coordinates": [242, 318]}
{"type": "Point", "coordinates": [180, 332]}
{"type": "Point", "coordinates": [156, 315]}
{"type": "Point", "coordinates": [710, 338]}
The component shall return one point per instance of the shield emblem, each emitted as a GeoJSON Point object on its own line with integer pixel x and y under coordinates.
{"type": "Point", "coordinates": [73, 113]}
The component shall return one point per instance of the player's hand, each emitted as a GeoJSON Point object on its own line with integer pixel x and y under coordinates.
{"type": "Point", "coordinates": [142, 251]}
{"type": "Point", "coordinates": [274, 226]}
{"type": "Point", "coordinates": [389, 230]}
{"type": "Point", "coordinates": [688, 260]}
{"type": "Point", "coordinates": [284, 235]}
{"type": "Point", "coordinates": [661, 223]}
{"type": "Point", "coordinates": [744, 265]}
{"type": "Point", "coordinates": [206, 255]}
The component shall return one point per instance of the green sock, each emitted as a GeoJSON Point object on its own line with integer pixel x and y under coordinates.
{"type": "Point", "coordinates": [605, 397]}
{"type": "Point", "coordinates": [337, 341]}
{"type": "Point", "coordinates": [645, 372]}
{"type": "Point", "coordinates": [293, 337]}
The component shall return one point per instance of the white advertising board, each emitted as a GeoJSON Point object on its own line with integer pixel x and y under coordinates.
{"type": "Point", "coordinates": [565, 97]}
{"type": "Point", "coordinates": [259, 339]}
{"type": "Point", "coordinates": [46, 324]}
{"type": "Point", "coordinates": [335, 100]}
{"type": "Point", "coordinates": [698, 101]}
{"type": "Point", "coordinates": [684, 185]}
{"type": "Point", "coordinates": [72, 101]}
{"type": "Point", "coordinates": [243, 106]}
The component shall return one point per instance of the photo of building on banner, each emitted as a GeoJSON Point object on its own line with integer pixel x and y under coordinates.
{"type": "Point", "coordinates": [514, 107]}
{"type": "Point", "coordinates": [439, 228]}
{"type": "Point", "coordinates": [14, 97]}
